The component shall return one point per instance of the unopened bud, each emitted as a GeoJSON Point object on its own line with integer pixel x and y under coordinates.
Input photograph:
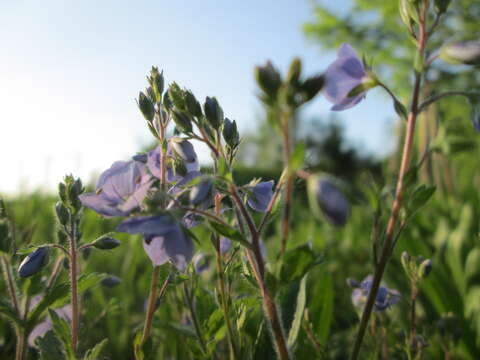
{"type": "Point", "coordinates": [213, 112]}
{"type": "Point", "coordinates": [192, 104]}
{"type": "Point", "coordinates": [34, 262]}
{"type": "Point", "coordinates": [184, 149]}
{"type": "Point", "coordinates": [230, 133]}
{"type": "Point", "coordinates": [182, 121]}
{"type": "Point", "coordinates": [425, 268]}
{"type": "Point", "coordinates": [268, 78]}
{"type": "Point", "coordinates": [111, 281]}
{"type": "Point", "coordinates": [62, 212]}
{"type": "Point", "coordinates": [106, 243]}
{"type": "Point", "coordinates": [146, 106]}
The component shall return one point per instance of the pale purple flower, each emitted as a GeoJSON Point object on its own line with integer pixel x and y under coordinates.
{"type": "Point", "coordinates": [120, 189]}
{"type": "Point", "coordinates": [225, 245]}
{"type": "Point", "coordinates": [261, 195]}
{"type": "Point", "coordinates": [164, 239]}
{"type": "Point", "coordinates": [185, 152]}
{"type": "Point", "coordinates": [385, 297]}
{"type": "Point", "coordinates": [342, 76]}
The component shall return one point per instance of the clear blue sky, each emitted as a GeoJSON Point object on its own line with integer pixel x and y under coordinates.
{"type": "Point", "coordinates": [70, 71]}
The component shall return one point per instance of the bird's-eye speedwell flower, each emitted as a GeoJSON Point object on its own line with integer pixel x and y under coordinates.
{"type": "Point", "coordinates": [119, 190]}
{"type": "Point", "coordinates": [385, 297]}
{"type": "Point", "coordinates": [346, 73]}
{"type": "Point", "coordinates": [164, 239]}
{"type": "Point", "coordinates": [261, 195]}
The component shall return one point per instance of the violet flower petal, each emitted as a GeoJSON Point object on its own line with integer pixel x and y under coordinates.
{"type": "Point", "coordinates": [261, 195]}
{"type": "Point", "coordinates": [148, 225]}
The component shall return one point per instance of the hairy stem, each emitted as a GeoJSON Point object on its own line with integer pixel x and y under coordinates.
{"type": "Point", "coordinates": [256, 261]}
{"type": "Point", "coordinates": [413, 318]}
{"type": "Point", "coordinates": [20, 347]}
{"type": "Point", "coordinates": [287, 151]}
{"type": "Point", "coordinates": [397, 203]}
{"type": "Point", "coordinates": [73, 286]}
{"type": "Point", "coordinates": [12, 291]}
{"type": "Point", "coordinates": [152, 299]}
{"type": "Point", "coordinates": [224, 298]}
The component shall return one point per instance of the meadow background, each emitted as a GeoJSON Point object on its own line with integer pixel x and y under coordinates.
{"type": "Point", "coordinates": [212, 50]}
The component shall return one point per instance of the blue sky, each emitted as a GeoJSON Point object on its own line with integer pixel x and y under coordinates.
{"type": "Point", "coordinates": [70, 72]}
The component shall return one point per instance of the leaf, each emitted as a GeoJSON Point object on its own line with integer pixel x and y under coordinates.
{"type": "Point", "coordinates": [297, 262]}
{"type": "Point", "coordinates": [326, 315]}
{"type": "Point", "coordinates": [59, 291]}
{"type": "Point", "coordinates": [297, 158]}
{"type": "Point", "coordinates": [94, 353]}
{"type": "Point", "coordinates": [7, 311]}
{"type": "Point", "coordinates": [298, 317]}
{"type": "Point", "coordinates": [230, 233]}
{"type": "Point", "coordinates": [62, 330]}
{"type": "Point", "coordinates": [50, 347]}
{"type": "Point", "coordinates": [420, 197]}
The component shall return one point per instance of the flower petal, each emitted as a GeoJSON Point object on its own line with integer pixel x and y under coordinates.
{"type": "Point", "coordinates": [148, 225]}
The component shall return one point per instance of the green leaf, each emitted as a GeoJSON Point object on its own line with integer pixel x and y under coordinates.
{"type": "Point", "coordinates": [7, 311]}
{"type": "Point", "coordinates": [230, 233]}
{"type": "Point", "coordinates": [60, 291]}
{"type": "Point", "coordinates": [297, 158]}
{"type": "Point", "coordinates": [298, 317]}
{"type": "Point", "coordinates": [420, 197]}
{"type": "Point", "coordinates": [50, 347]}
{"type": "Point", "coordinates": [94, 353]}
{"type": "Point", "coordinates": [297, 262]}
{"type": "Point", "coordinates": [327, 303]}
{"type": "Point", "coordinates": [62, 331]}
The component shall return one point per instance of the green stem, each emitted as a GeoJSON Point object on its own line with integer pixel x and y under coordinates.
{"type": "Point", "coordinates": [20, 347]}
{"type": "Point", "coordinates": [12, 291]}
{"type": "Point", "coordinates": [287, 151]}
{"type": "Point", "coordinates": [193, 314]}
{"type": "Point", "coordinates": [435, 98]}
{"type": "Point", "coordinates": [73, 287]}
{"type": "Point", "coordinates": [152, 299]}
{"type": "Point", "coordinates": [397, 203]}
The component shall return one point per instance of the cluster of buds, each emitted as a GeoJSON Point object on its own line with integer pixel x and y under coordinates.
{"type": "Point", "coordinates": [416, 268]}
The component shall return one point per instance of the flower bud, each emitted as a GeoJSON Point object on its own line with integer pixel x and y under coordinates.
{"type": "Point", "coordinates": [106, 243]}
{"type": "Point", "coordinates": [294, 72]}
{"type": "Point", "coordinates": [230, 133]}
{"type": "Point", "coordinates": [201, 263]}
{"type": "Point", "coordinates": [192, 104]}
{"type": "Point", "coordinates": [405, 259]}
{"type": "Point", "coordinates": [327, 199]}
{"type": "Point", "coordinates": [441, 6]}
{"type": "Point", "coordinates": [34, 262]}
{"type": "Point", "coordinates": [111, 281]}
{"type": "Point", "coordinates": [467, 53]}
{"type": "Point", "coordinates": [146, 106]}
{"type": "Point", "coordinates": [425, 268]}
{"type": "Point", "coordinates": [157, 82]}
{"type": "Point", "coordinates": [62, 192]}
{"type": "Point", "coordinates": [268, 78]}
{"type": "Point", "coordinates": [201, 192]}
{"type": "Point", "coordinates": [213, 112]}
{"type": "Point", "coordinates": [182, 121]}
{"type": "Point", "coordinates": [62, 212]}
{"type": "Point", "coordinates": [312, 86]}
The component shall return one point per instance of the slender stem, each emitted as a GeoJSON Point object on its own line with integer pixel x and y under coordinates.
{"type": "Point", "coordinates": [256, 261]}
{"type": "Point", "coordinates": [413, 318]}
{"type": "Point", "coordinates": [435, 98]}
{"type": "Point", "coordinates": [289, 185]}
{"type": "Point", "coordinates": [73, 285]}
{"type": "Point", "coordinates": [397, 203]}
{"type": "Point", "coordinates": [12, 291]}
{"type": "Point", "coordinates": [193, 314]}
{"type": "Point", "coordinates": [225, 300]}
{"type": "Point", "coordinates": [20, 347]}
{"type": "Point", "coordinates": [152, 299]}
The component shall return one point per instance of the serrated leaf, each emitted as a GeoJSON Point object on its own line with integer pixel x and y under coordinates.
{"type": "Point", "coordinates": [230, 233]}
{"type": "Point", "coordinates": [298, 316]}
{"type": "Point", "coordinates": [62, 331]}
{"type": "Point", "coordinates": [50, 347]}
{"type": "Point", "coordinates": [94, 353]}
